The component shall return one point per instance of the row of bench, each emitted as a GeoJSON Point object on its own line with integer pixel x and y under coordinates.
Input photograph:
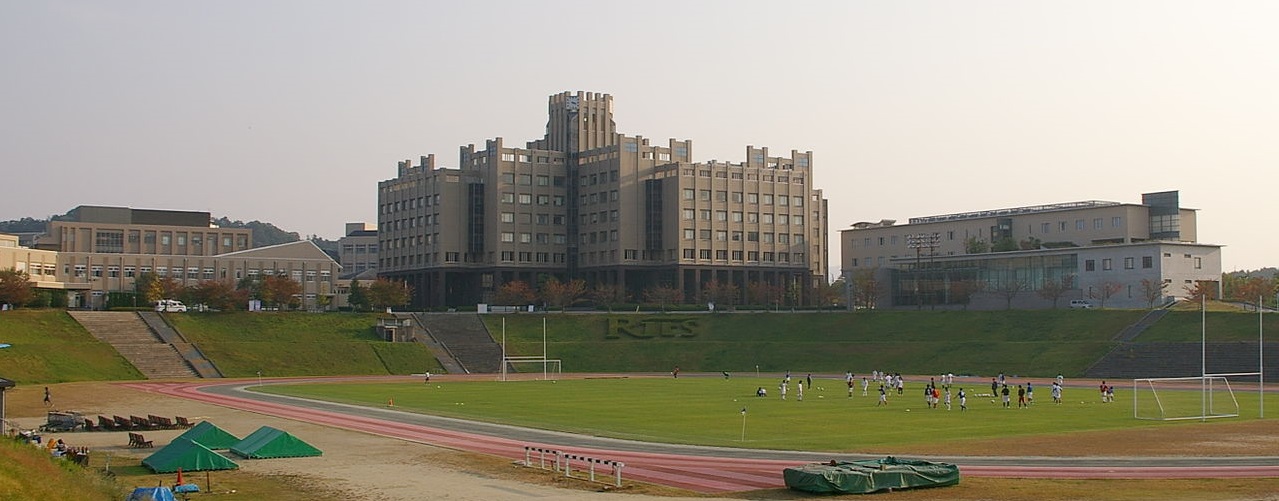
{"type": "Point", "coordinates": [151, 422]}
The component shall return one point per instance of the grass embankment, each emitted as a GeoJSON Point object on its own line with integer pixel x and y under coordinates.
{"type": "Point", "coordinates": [1219, 326]}
{"type": "Point", "coordinates": [300, 344]}
{"type": "Point", "coordinates": [708, 411]}
{"type": "Point", "coordinates": [1041, 343]}
{"type": "Point", "coordinates": [51, 347]}
{"type": "Point", "coordinates": [29, 472]}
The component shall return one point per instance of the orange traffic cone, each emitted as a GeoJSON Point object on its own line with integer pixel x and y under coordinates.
{"type": "Point", "coordinates": [179, 477]}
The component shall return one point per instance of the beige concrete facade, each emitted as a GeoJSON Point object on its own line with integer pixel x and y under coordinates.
{"type": "Point", "coordinates": [358, 249]}
{"type": "Point", "coordinates": [1087, 244]}
{"type": "Point", "coordinates": [101, 250]}
{"type": "Point", "coordinates": [588, 202]}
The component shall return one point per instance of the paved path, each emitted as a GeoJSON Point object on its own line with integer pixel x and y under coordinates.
{"type": "Point", "coordinates": [697, 468]}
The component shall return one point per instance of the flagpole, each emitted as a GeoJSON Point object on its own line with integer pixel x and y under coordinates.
{"type": "Point", "coordinates": [743, 424]}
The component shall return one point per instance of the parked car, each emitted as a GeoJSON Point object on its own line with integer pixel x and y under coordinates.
{"type": "Point", "coordinates": [171, 305]}
{"type": "Point", "coordinates": [1080, 303]}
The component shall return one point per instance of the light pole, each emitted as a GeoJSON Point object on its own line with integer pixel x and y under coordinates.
{"type": "Point", "coordinates": [920, 241]}
{"type": "Point", "coordinates": [259, 378]}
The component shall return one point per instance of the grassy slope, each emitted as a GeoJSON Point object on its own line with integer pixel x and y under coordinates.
{"type": "Point", "coordinates": [1039, 343]}
{"type": "Point", "coordinates": [28, 472]}
{"type": "Point", "coordinates": [1221, 326]}
{"type": "Point", "coordinates": [50, 347]}
{"type": "Point", "coordinates": [300, 344]}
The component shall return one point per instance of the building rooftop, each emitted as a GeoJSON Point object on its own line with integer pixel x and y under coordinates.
{"type": "Point", "coordinates": [1013, 211]}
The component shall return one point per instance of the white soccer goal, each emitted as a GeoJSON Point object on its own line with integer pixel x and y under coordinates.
{"type": "Point", "coordinates": [1183, 398]}
{"type": "Point", "coordinates": [551, 367]}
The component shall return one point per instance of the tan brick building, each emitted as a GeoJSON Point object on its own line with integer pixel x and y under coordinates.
{"type": "Point", "coordinates": [101, 250]}
{"type": "Point", "coordinates": [588, 202]}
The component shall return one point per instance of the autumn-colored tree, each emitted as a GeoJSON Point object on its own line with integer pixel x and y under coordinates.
{"type": "Point", "coordinates": [721, 293]}
{"type": "Point", "coordinates": [663, 295]}
{"type": "Point", "coordinates": [170, 288]}
{"type": "Point", "coordinates": [16, 288]}
{"type": "Point", "coordinates": [831, 294]}
{"type": "Point", "coordinates": [1201, 290]}
{"type": "Point", "coordinates": [385, 293]}
{"type": "Point", "coordinates": [279, 291]}
{"type": "Point", "coordinates": [218, 295]}
{"type": "Point", "coordinates": [1152, 290]}
{"type": "Point", "coordinates": [1052, 290]}
{"type": "Point", "coordinates": [607, 295]}
{"type": "Point", "coordinates": [559, 294]}
{"type": "Point", "coordinates": [1104, 292]}
{"type": "Point", "coordinates": [1251, 289]}
{"type": "Point", "coordinates": [148, 288]}
{"type": "Point", "coordinates": [867, 289]}
{"type": "Point", "coordinates": [962, 291]}
{"type": "Point", "coordinates": [514, 293]}
{"type": "Point", "coordinates": [763, 293]}
{"type": "Point", "coordinates": [1009, 288]}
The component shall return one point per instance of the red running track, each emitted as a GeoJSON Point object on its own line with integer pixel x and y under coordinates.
{"type": "Point", "coordinates": [696, 473]}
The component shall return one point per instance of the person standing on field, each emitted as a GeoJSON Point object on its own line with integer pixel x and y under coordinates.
{"type": "Point", "coordinates": [963, 400]}
{"type": "Point", "coordinates": [1004, 392]}
{"type": "Point", "coordinates": [883, 397]}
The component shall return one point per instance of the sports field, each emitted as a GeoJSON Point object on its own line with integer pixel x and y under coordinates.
{"type": "Point", "coordinates": [726, 412]}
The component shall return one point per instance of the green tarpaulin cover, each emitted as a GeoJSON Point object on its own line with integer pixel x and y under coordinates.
{"type": "Point", "coordinates": [269, 442]}
{"type": "Point", "coordinates": [209, 435]}
{"type": "Point", "coordinates": [189, 456]}
{"type": "Point", "coordinates": [862, 477]}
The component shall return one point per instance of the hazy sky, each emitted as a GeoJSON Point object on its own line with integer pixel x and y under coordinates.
{"type": "Point", "coordinates": [291, 112]}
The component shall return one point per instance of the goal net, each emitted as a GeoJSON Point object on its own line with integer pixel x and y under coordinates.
{"type": "Point", "coordinates": [1182, 398]}
{"type": "Point", "coordinates": [551, 367]}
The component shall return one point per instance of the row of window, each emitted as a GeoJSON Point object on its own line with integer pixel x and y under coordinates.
{"type": "Point", "coordinates": [528, 238]}
{"type": "Point", "coordinates": [750, 217]}
{"type": "Point", "coordinates": [530, 179]}
{"type": "Point", "coordinates": [750, 236]}
{"type": "Point", "coordinates": [1098, 223]}
{"type": "Point", "coordinates": [754, 256]}
{"type": "Point", "coordinates": [359, 248]}
{"type": "Point", "coordinates": [749, 176]}
{"type": "Point", "coordinates": [530, 218]}
{"type": "Point", "coordinates": [1129, 263]}
{"type": "Point", "coordinates": [527, 199]}
{"type": "Point", "coordinates": [409, 204]}
{"type": "Point", "coordinates": [191, 273]}
{"type": "Point", "coordinates": [738, 197]}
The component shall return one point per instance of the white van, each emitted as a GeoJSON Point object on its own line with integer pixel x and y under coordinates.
{"type": "Point", "coordinates": [1080, 303]}
{"type": "Point", "coordinates": [172, 305]}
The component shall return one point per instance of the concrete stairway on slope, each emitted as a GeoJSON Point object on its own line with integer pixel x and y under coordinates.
{"type": "Point", "coordinates": [187, 350]}
{"type": "Point", "coordinates": [466, 339]}
{"type": "Point", "coordinates": [131, 337]}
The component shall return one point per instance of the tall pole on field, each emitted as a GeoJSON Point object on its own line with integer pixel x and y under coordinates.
{"type": "Point", "coordinates": [1261, 360]}
{"type": "Point", "coordinates": [503, 348]}
{"type": "Point", "coordinates": [544, 348]}
{"type": "Point", "coordinates": [1203, 356]}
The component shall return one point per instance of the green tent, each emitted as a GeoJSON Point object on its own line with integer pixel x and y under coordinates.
{"type": "Point", "coordinates": [209, 435]}
{"type": "Point", "coordinates": [189, 456]}
{"type": "Point", "coordinates": [269, 442]}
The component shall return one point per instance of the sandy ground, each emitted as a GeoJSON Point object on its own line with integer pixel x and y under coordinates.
{"type": "Point", "coordinates": [355, 466]}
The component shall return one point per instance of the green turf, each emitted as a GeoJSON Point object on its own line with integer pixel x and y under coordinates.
{"type": "Point", "coordinates": [708, 411]}
{"type": "Point", "coordinates": [1041, 342]}
{"type": "Point", "coordinates": [300, 344]}
{"type": "Point", "coordinates": [1217, 326]}
{"type": "Point", "coordinates": [51, 347]}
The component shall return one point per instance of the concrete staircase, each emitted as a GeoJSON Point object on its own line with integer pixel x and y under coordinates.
{"type": "Point", "coordinates": [465, 339]}
{"type": "Point", "coordinates": [130, 336]}
{"type": "Point", "coordinates": [187, 350]}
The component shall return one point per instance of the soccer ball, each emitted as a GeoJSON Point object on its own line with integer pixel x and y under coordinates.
{"type": "Point", "coordinates": [907, 410]}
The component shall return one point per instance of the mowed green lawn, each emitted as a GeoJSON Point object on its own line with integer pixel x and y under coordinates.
{"type": "Point", "coordinates": [708, 411]}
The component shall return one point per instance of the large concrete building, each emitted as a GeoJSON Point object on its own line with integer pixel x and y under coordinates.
{"type": "Point", "coordinates": [1100, 251]}
{"type": "Point", "coordinates": [357, 251]}
{"type": "Point", "coordinates": [101, 250]}
{"type": "Point", "coordinates": [588, 202]}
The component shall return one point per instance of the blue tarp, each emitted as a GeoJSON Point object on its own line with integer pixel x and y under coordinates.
{"type": "Point", "coordinates": [151, 494]}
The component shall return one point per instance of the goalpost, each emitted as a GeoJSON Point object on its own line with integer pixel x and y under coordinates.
{"type": "Point", "coordinates": [551, 367]}
{"type": "Point", "coordinates": [1177, 400]}
{"type": "Point", "coordinates": [1216, 397]}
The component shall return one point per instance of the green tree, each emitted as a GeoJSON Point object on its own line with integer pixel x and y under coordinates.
{"type": "Point", "coordinates": [356, 297]}
{"type": "Point", "coordinates": [148, 288]}
{"type": "Point", "coordinates": [16, 288]}
{"type": "Point", "coordinates": [1004, 245]}
{"type": "Point", "coordinates": [974, 245]}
